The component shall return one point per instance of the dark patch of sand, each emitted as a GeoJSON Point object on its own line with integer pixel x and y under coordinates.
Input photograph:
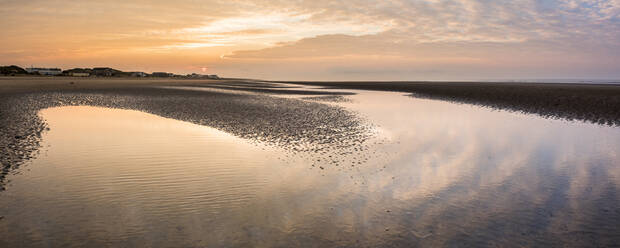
{"type": "Point", "coordinates": [337, 98]}
{"type": "Point", "coordinates": [268, 89]}
{"type": "Point", "coordinates": [250, 83]}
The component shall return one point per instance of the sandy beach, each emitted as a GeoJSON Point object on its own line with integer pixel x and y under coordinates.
{"type": "Point", "coordinates": [291, 123]}
{"type": "Point", "coordinates": [231, 106]}
{"type": "Point", "coordinates": [343, 163]}
{"type": "Point", "coordinates": [310, 123]}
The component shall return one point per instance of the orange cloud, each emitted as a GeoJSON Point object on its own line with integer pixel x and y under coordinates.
{"type": "Point", "coordinates": [460, 38]}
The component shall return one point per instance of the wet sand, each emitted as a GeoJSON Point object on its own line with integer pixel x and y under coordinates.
{"type": "Point", "coordinates": [249, 109]}
{"type": "Point", "coordinates": [595, 103]}
{"type": "Point", "coordinates": [231, 106]}
{"type": "Point", "coordinates": [294, 124]}
{"type": "Point", "coordinates": [447, 174]}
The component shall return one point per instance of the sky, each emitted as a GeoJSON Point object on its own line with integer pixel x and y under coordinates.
{"type": "Point", "coordinates": [320, 39]}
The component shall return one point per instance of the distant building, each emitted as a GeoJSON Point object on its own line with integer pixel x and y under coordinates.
{"type": "Point", "coordinates": [44, 71]}
{"type": "Point", "coordinates": [105, 72]}
{"type": "Point", "coordinates": [162, 74]}
{"type": "Point", "coordinates": [78, 72]}
{"type": "Point", "coordinates": [138, 74]}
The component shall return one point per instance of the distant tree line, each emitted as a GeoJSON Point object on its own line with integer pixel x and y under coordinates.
{"type": "Point", "coordinates": [14, 70]}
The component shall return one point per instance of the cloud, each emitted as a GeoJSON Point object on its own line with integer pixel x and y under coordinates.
{"type": "Point", "coordinates": [398, 33]}
{"type": "Point", "coordinates": [520, 37]}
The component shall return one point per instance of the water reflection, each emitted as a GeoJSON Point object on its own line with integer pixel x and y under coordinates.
{"type": "Point", "coordinates": [467, 175]}
{"type": "Point", "coordinates": [439, 174]}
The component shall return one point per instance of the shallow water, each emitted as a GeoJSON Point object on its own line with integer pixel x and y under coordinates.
{"type": "Point", "coordinates": [436, 174]}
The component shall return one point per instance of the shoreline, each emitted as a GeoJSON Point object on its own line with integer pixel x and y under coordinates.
{"type": "Point", "coordinates": [594, 103]}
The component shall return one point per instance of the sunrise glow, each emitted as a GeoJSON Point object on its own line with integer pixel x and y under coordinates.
{"type": "Point", "coordinates": [321, 40]}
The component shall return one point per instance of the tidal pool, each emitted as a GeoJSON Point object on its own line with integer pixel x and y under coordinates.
{"type": "Point", "coordinates": [435, 174]}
